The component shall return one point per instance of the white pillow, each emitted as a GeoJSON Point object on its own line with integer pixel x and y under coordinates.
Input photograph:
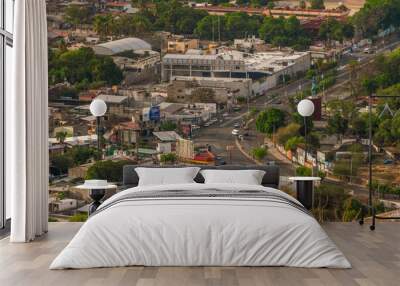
{"type": "Point", "coordinates": [248, 177]}
{"type": "Point", "coordinates": [166, 176]}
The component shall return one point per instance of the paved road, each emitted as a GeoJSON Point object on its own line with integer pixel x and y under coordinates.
{"type": "Point", "coordinates": [219, 138]}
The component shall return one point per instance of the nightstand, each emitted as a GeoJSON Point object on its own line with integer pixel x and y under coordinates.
{"type": "Point", "coordinates": [97, 190]}
{"type": "Point", "coordinates": [305, 190]}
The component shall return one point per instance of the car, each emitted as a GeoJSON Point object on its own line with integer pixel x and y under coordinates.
{"type": "Point", "coordinates": [369, 50]}
{"type": "Point", "coordinates": [241, 137]}
{"type": "Point", "coordinates": [388, 161]}
{"type": "Point", "coordinates": [236, 125]}
{"type": "Point", "coordinates": [235, 132]}
{"type": "Point", "coordinates": [219, 161]}
{"type": "Point", "coordinates": [236, 108]}
{"type": "Point", "coordinates": [226, 114]}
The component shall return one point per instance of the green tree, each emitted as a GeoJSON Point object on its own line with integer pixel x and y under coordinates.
{"type": "Point", "coordinates": [303, 171]}
{"type": "Point", "coordinates": [377, 15]}
{"type": "Point", "coordinates": [338, 125]}
{"type": "Point", "coordinates": [61, 135]}
{"type": "Point", "coordinates": [270, 120]}
{"type": "Point", "coordinates": [285, 133]}
{"type": "Point", "coordinates": [351, 209]}
{"type": "Point", "coordinates": [168, 158]}
{"type": "Point", "coordinates": [107, 170]}
{"type": "Point", "coordinates": [333, 30]}
{"type": "Point", "coordinates": [77, 15]}
{"type": "Point", "coordinates": [259, 153]}
{"type": "Point", "coordinates": [294, 142]}
{"type": "Point", "coordinates": [82, 68]}
{"type": "Point", "coordinates": [82, 154]}
{"type": "Point", "coordinates": [102, 24]}
{"type": "Point", "coordinates": [79, 217]}
{"type": "Point", "coordinates": [168, 126]}
{"type": "Point", "coordinates": [62, 163]}
{"type": "Point", "coordinates": [302, 4]}
{"type": "Point", "coordinates": [317, 4]}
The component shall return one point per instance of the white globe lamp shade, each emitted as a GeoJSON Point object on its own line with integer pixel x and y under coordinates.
{"type": "Point", "coordinates": [305, 108]}
{"type": "Point", "coordinates": [98, 107]}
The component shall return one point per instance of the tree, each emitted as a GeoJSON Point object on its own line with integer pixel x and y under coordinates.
{"type": "Point", "coordinates": [270, 120]}
{"type": "Point", "coordinates": [337, 125]}
{"type": "Point", "coordinates": [333, 30]}
{"type": "Point", "coordinates": [168, 158]}
{"type": "Point", "coordinates": [62, 163]}
{"type": "Point", "coordinates": [302, 4]}
{"type": "Point", "coordinates": [61, 135]}
{"type": "Point", "coordinates": [285, 133]}
{"type": "Point", "coordinates": [294, 142]}
{"type": "Point", "coordinates": [303, 171]}
{"type": "Point", "coordinates": [168, 126]}
{"type": "Point", "coordinates": [377, 15]}
{"type": "Point", "coordinates": [107, 170]}
{"type": "Point", "coordinates": [102, 24]}
{"type": "Point", "coordinates": [351, 209]}
{"type": "Point", "coordinates": [82, 68]}
{"type": "Point", "coordinates": [77, 15]}
{"type": "Point", "coordinates": [259, 152]}
{"type": "Point", "coordinates": [317, 4]}
{"type": "Point", "coordinates": [82, 154]}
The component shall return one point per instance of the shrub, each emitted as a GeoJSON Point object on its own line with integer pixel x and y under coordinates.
{"type": "Point", "coordinates": [79, 217]}
{"type": "Point", "coordinates": [259, 152]}
{"type": "Point", "coordinates": [168, 158]}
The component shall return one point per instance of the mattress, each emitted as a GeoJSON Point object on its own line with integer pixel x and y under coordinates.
{"type": "Point", "coordinates": [201, 225]}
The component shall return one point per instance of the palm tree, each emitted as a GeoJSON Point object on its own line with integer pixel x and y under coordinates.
{"type": "Point", "coordinates": [61, 135]}
{"type": "Point", "coordinates": [102, 24]}
{"type": "Point", "coordinates": [353, 65]}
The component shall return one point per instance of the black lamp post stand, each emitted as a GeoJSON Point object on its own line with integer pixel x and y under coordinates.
{"type": "Point", "coordinates": [370, 190]}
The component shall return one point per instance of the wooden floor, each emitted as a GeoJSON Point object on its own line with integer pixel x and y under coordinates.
{"type": "Point", "coordinates": [375, 257]}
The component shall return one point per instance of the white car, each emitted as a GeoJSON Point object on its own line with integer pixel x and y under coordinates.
{"type": "Point", "coordinates": [235, 132]}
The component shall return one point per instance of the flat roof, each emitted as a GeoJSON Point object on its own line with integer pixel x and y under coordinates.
{"type": "Point", "coordinates": [167, 135]}
{"type": "Point", "coordinates": [108, 98]}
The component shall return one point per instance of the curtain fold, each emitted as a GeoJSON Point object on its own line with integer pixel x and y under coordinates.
{"type": "Point", "coordinates": [27, 124]}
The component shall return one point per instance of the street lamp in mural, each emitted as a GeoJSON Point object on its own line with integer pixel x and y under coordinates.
{"type": "Point", "coordinates": [305, 108]}
{"type": "Point", "coordinates": [98, 108]}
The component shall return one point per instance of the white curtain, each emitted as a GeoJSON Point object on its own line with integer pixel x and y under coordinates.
{"type": "Point", "coordinates": [27, 124]}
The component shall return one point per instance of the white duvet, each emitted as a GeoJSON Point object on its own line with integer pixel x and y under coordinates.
{"type": "Point", "coordinates": [202, 232]}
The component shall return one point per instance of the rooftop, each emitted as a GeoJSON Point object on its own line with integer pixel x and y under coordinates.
{"type": "Point", "coordinates": [112, 98]}
{"type": "Point", "coordinates": [118, 46]}
{"type": "Point", "coordinates": [375, 257]}
{"type": "Point", "coordinates": [167, 136]}
{"type": "Point", "coordinates": [259, 61]}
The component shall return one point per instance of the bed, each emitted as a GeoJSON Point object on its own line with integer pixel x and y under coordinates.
{"type": "Point", "coordinates": [201, 224]}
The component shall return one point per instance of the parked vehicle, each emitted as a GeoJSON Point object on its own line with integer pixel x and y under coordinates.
{"type": "Point", "coordinates": [236, 125]}
{"type": "Point", "coordinates": [219, 161]}
{"type": "Point", "coordinates": [235, 132]}
{"type": "Point", "coordinates": [388, 161]}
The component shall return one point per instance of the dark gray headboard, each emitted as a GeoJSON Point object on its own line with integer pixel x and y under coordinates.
{"type": "Point", "coordinates": [271, 177]}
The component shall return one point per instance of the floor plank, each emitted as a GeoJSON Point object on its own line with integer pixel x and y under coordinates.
{"type": "Point", "coordinates": [375, 257]}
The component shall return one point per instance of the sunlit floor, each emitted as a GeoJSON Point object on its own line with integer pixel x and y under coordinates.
{"type": "Point", "coordinates": [375, 257]}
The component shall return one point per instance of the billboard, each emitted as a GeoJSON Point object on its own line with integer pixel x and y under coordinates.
{"type": "Point", "coordinates": [154, 113]}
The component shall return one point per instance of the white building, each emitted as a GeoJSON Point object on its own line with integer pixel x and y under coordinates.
{"type": "Point", "coordinates": [264, 69]}
{"type": "Point", "coordinates": [62, 205]}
